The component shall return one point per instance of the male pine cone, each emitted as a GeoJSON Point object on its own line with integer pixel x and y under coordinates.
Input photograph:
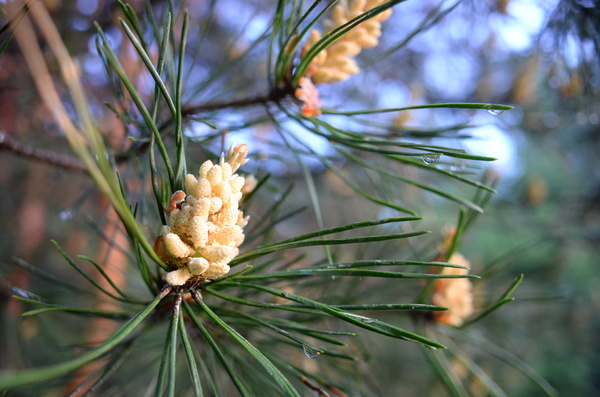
{"type": "Point", "coordinates": [206, 225]}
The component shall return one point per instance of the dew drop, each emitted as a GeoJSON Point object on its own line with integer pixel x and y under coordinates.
{"type": "Point", "coordinates": [25, 294]}
{"type": "Point", "coordinates": [496, 112]}
{"type": "Point", "coordinates": [310, 351]}
{"type": "Point", "coordinates": [430, 158]}
{"type": "Point", "coordinates": [67, 214]}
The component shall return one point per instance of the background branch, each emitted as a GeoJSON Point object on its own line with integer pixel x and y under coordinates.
{"type": "Point", "coordinates": [274, 95]}
{"type": "Point", "coordinates": [43, 155]}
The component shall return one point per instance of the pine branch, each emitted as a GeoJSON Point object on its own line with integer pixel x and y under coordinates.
{"type": "Point", "coordinates": [276, 95]}
{"type": "Point", "coordinates": [42, 155]}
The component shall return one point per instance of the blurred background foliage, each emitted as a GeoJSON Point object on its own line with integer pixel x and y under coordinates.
{"type": "Point", "coordinates": [544, 222]}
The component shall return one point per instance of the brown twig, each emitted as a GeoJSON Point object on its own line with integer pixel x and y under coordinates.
{"type": "Point", "coordinates": [72, 164]}
{"type": "Point", "coordinates": [311, 385]}
{"type": "Point", "coordinates": [42, 155]}
{"type": "Point", "coordinates": [274, 95]}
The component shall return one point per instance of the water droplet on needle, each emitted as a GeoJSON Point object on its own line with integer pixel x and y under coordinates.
{"type": "Point", "coordinates": [496, 112]}
{"type": "Point", "coordinates": [430, 158]}
{"type": "Point", "coordinates": [310, 351]}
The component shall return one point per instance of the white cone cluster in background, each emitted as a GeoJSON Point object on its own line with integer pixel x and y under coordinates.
{"type": "Point", "coordinates": [336, 63]}
{"type": "Point", "coordinates": [206, 225]}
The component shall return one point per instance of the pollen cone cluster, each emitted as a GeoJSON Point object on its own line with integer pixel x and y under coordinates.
{"type": "Point", "coordinates": [454, 293]}
{"type": "Point", "coordinates": [336, 62]}
{"type": "Point", "coordinates": [206, 225]}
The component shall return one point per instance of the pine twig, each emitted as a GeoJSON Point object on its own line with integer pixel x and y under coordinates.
{"type": "Point", "coordinates": [42, 155]}
{"type": "Point", "coordinates": [275, 95]}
